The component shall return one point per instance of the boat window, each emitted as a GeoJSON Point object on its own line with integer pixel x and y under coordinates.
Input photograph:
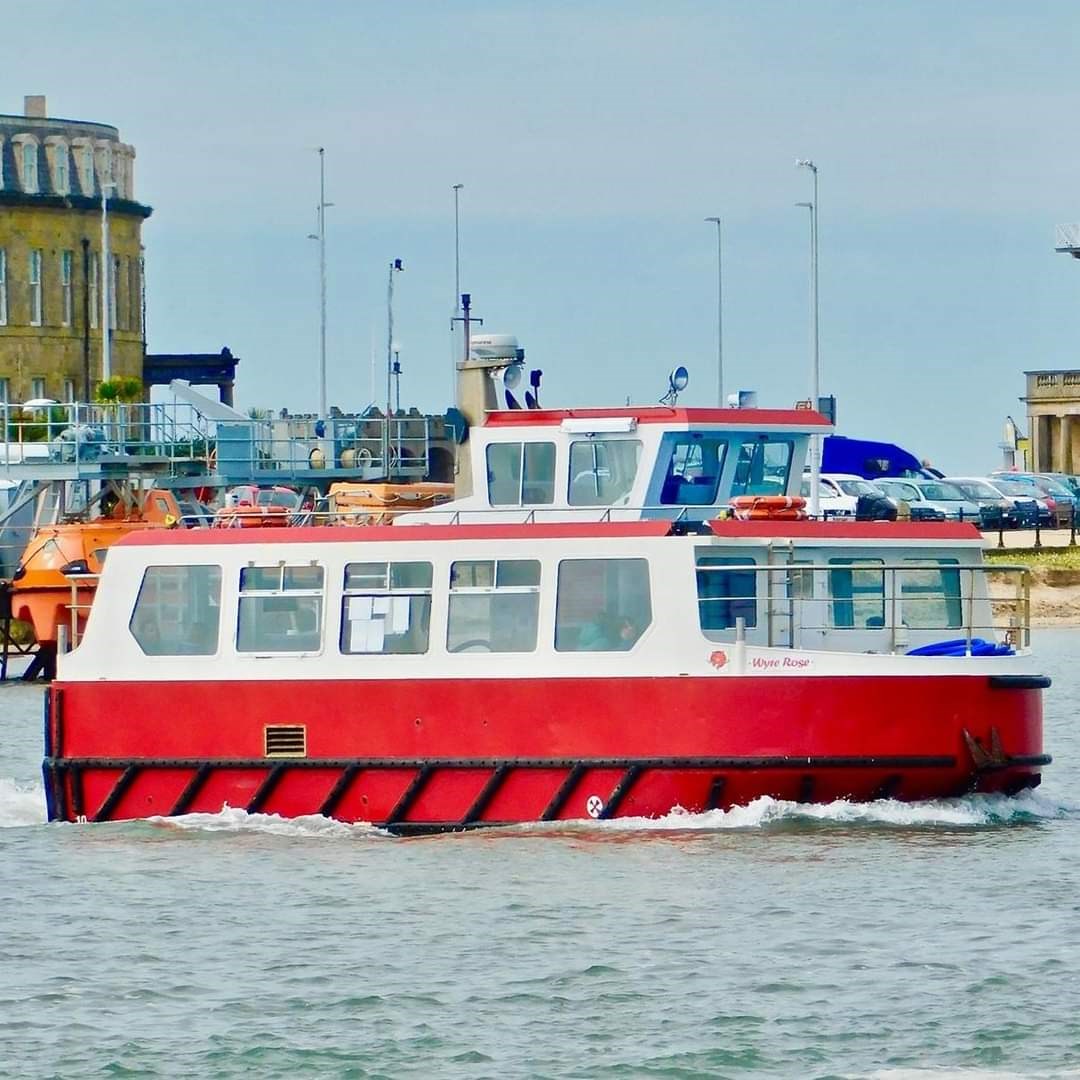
{"type": "Point", "coordinates": [858, 594]}
{"type": "Point", "coordinates": [693, 473]}
{"type": "Point", "coordinates": [280, 609]}
{"type": "Point", "coordinates": [386, 608]}
{"type": "Point", "coordinates": [725, 592]}
{"type": "Point", "coordinates": [603, 605]}
{"type": "Point", "coordinates": [177, 612]}
{"type": "Point", "coordinates": [931, 595]}
{"type": "Point", "coordinates": [602, 471]}
{"type": "Point", "coordinates": [521, 474]}
{"type": "Point", "coordinates": [494, 605]}
{"type": "Point", "coordinates": [762, 468]}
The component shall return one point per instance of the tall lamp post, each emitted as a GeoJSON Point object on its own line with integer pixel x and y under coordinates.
{"type": "Point", "coordinates": [719, 315]}
{"type": "Point", "coordinates": [457, 293]}
{"type": "Point", "coordinates": [106, 280]}
{"type": "Point", "coordinates": [321, 237]}
{"type": "Point", "coordinates": [396, 267]}
{"type": "Point", "coordinates": [815, 379]}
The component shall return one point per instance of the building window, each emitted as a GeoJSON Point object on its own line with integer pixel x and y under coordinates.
{"type": "Point", "coordinates": [3, 287]}
{"type": "Point", "coordinates": [602, 471]}
{"type": "Point", "coordinates": [29, 168]}
{"type": "Point", "coordinates": [35, 288]}
{"type": "Point", "coordinates": [726, 589]}
{"type": "Point", "coordinates": [66, 258]}
{"type": "Point", "coordinates": [37, 389]}
{"type": "Point", "coordinates": [61, 178]}
{"type": "Point", "coordinates": [494, 605]}
{"type": "Point", "coordinates": [280, 609]}
{"type": "Point", "coordinates": [5, 391]}
{"type": "Point", "coordinates": [133, 293]}
{"type": "Point", "coordinates": [114, 286]}
{"type": "Point", "coordinates": [69, 390]}
{"type": "Point", "coordinates": [92, 289]}
{"type": "Point", "coordinates": [521, 474]}
{"type": "Point", "coordinates": [603, 605]}
{"type": "Point", "coordinates": [386, 608]}
{"type": "Point", "coordinates": [87, 161]}
{"type": "Point", "coordinates": [177, 611]}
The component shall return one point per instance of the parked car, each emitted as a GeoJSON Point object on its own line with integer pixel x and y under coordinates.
{"type": "Point", "coordinates": [920, 508]}
{"type": "Point", "coordinates": [848, 496]}
{"type": "Point", "coordinates": [999, 510]}
{"type": "Point", "coordinates": [1060, 498]}
{"type": "Point", "coordinates": [1021, 486]}
{"type": "Point", "coordinates": [957, 506]}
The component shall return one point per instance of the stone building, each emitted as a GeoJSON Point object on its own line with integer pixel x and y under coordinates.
{"type": "Point", "coordinates": [52, 174]}
{"type": "Point", "coordinates": [1053, 409]}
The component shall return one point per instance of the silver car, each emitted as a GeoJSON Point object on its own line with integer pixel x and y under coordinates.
{"type": "Point", "coordinates": [948, 497]}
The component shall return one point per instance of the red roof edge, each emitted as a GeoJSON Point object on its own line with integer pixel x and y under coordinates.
{"type": "Point", "coordinates": [659, 414]}
{"type": "Point", "coordinates": [848, 530]}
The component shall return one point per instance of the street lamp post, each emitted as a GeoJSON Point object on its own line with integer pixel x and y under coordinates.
{"type": "Point", "coordinates": [457, 293]}
{"type": "Point", "coordinates": [321, 237]}
{"type": "Point", "coordinates": [106, 276]}
{"type": "Point", "coordinates": [815, 379]}
{"type": "Point", "coordinates": [719, 315]}
{"type": "Point", "coordinates": [395, 267]}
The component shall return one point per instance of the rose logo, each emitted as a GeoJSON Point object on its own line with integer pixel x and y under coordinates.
{"type": "Point", "coordinates": [718, 659]}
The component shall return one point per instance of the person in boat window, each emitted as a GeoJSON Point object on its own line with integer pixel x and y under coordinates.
{"type": "Point", "coordinates": [608, 633]}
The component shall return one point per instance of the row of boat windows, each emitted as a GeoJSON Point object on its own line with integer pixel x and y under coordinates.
{"type": "Point", "coordinates": [602, 471]}
{"type": "Point", "coordinates": [601, 605]}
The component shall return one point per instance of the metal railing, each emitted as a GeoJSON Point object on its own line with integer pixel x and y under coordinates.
{"type": "Point", "coordinates": [969, 612]}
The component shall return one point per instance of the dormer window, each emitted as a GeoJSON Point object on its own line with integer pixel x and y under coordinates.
{"type": "Point", "coordinates": [56, 150]}
{"type": "Point", "coordinates": [86, 169]}
{"type": "Point", "coordinates": [26, 162]}
{"type": "Point", "coordinates": [30, 177]}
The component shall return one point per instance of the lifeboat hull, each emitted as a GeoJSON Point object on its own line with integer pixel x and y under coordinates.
{"type": "Point", "coordinates": [440, 755]}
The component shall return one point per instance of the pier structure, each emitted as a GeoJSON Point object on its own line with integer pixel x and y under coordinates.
{"type": "Point", "coordinates": [54, 284]}
{"type": "Point", "coordinates": [58, 460]}
{"type": "Point", "coordinates": [1053, 410]}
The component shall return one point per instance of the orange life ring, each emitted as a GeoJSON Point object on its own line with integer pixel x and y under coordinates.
{"type": "Point", "coordinates": [762, 507]}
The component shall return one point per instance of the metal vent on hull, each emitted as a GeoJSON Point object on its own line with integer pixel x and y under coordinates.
{"type": "Point", "coordinates": [286, 740]}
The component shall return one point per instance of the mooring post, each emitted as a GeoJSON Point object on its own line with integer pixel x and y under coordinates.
{"type": "Point", "coordinates": [1072, 525]}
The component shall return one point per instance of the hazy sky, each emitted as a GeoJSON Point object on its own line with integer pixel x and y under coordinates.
{"type": "Point", "coordinates": [592, 140]}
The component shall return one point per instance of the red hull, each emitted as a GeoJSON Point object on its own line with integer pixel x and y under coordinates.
{"type": "Point", "coordinates": [416, 755]}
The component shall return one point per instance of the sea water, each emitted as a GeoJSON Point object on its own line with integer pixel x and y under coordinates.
{"type": "Point", "coordinates": [774, 940]}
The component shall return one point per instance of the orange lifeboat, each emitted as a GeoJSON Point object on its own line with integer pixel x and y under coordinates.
{"type": "Point", "coordinates": [379, 504]}
{"type": "Point", "coordinates": [41, 587]}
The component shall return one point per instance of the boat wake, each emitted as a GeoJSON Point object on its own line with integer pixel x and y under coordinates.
{"type": "Point", "coordinates": [21, 803]}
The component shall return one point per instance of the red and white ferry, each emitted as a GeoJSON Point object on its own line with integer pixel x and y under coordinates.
{"type": "Point", "coordinates": [468, 670]}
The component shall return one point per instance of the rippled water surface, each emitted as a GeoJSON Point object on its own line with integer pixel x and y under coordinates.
{"type": "Point", "coordinates": [898, 941]}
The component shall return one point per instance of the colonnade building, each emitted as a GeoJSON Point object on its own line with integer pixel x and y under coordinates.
{"type": "Point", "coordinates": [53, 174]}
{"type": "Point", "coordinates": [1053, 410]}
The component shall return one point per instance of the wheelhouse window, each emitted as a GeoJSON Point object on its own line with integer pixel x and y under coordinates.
{"type": "Point", "coordinates": [494, 605]}
{"type": "Point", "coordinates": [857, 593]}
{"type": "Point", "coordinates": [602, 471]}
{"type": "Point", "coordinates": [177, 611]}
{"type": "Point", "coordinates": [930, 595]}
{"type": "Point", "coordinates": [727, 590]}
{"type": "Point", "coordinates": [280, 609]}
{"type": "Point", "coordinates": [763, 468]}
{"type": "Point", "coordinates": [521, 474]}
{"type": "Point", "coordinates": [693, 473]}
{"type": "Point", "coordinates": [386, 608]}
{"type": "Point", "coordinates": [603, 605]}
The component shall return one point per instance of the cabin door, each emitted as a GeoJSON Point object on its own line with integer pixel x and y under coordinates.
{"type": "Point", "coordinates": [791, 594]}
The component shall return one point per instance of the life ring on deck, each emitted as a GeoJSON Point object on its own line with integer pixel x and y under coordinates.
{"type": "Point", "coordinates": [769, 507]}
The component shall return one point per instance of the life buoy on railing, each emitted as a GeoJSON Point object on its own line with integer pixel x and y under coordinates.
{"type": "Point", "coordinates": [769, 507]}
